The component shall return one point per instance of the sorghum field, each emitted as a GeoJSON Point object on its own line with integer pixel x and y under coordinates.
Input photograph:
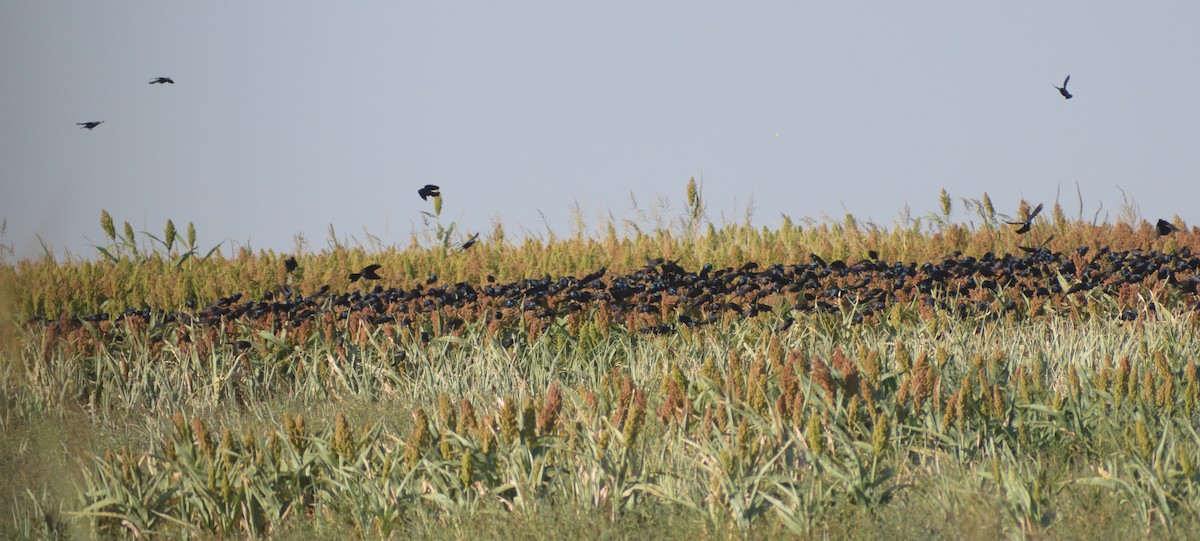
{"type": "Point", "coordinates": [682, 380]}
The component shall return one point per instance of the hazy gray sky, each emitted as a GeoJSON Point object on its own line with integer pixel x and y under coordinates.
{"type": "Point", "coordinates": [286, 118]}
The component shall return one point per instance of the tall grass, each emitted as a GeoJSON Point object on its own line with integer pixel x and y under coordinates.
{"type": "Point", "coordinates": [916, 422]}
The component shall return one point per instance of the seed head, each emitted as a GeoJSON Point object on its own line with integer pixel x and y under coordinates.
{"type": "Point", "coordinates": [812, 435]}
{"type": "Point", "coordinates": [106, 223]}
{"type": "Point", "coordinates": [1142, 436]}
{"type": "Point", "coordinates": [508, 421]}
{"type": "Point", "coordinates": [824, 378]}
{"type": "Point", "coordinates": [528, 421]}
{"type": "Point", "coordinates": [881, 434]}
{"type": "Point", "coordinates": [343, 438]}
{"type": "Point", "coordinates": [202, 437]}
{"type": "Point", "coordinates": [466, 470]}
{"type": "Point", "coordinates": [547, 420]}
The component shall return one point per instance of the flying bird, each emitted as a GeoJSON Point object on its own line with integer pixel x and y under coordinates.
{"type": "Point", "coordinates": [161, 80]}
{"type": "Point", "coordinates": [89, 125]}
{"type": "Point", "coordinates": [429, 190]}
{"type": "Point", "coordinates": [1028, 222]}
{"type": "Point", "coordinates": [1063, 89]}
{"type": "Point", "coordinates": [368, 273]}
{"type": "Point", "coordinates": [470, 242]}
{"type": "Point", "coordinates": [1038, 248]}
{"type": "Point", "coordinates": [591, 277]}
{"type": "Point", "coordinates": [1165, 228]}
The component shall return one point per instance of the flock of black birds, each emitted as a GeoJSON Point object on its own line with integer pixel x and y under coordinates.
{"type": "Point", "coordinates": [663, 296]}
{"type": "Point", "coordinates": [671, 296]}
{"type": "Point", "coordinates": [154, 81]}
{"type": "Point", "coordinates": [668, 296]}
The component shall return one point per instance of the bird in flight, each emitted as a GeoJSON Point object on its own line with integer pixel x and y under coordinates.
{"type": "Point", "coordinates": [429, 190]}
{"type": "Point", "coordinates": [1165, 228]}
{"type": "Point", "coordinates": [368, 273]}
{"type": "Point", "coordinates": [1063, 89]}
{"type": "Point", "coordinates": [1038, 248]}
{"type": "Point", "coordinates": [161, 80]}
{"type": "Point", "coordinates": [470, 242]}
{"type": "Point", "coordinates": [89, 125]}
{"type": "Point", "coordinates": [1028, 222]}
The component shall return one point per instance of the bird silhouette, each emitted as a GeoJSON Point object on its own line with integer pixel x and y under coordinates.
{"type": "Point", "coordinates": [1063, 89]}
{"type": "Point", "coordinates": [290, 264]}
{"type": "Point", "coordinates": [1028, 222]}
{"type": "Point", "coordinates": [591, 277]}
{"type": "Point", "coordinates": [428, 191]}
{"type": "Point", "coordinates": [89, 125]}
{"type": "Point", "coordinates": [1038, 248]}
{"type": "Point", "coordinates": [161, 80]}
{"type": "Point", "coordinates": [1165, 228]}
{"type": "Point", "coordinates": [470, 242]}
{"type": "Point", "coordinates": [368, 273]}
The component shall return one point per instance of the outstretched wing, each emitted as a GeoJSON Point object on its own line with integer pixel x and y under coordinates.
{"type": "Point", "coordinates": [1067, 80]}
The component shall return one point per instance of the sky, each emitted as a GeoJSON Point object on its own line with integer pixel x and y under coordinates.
{"type": "Point", "coordinates": [289, 117]}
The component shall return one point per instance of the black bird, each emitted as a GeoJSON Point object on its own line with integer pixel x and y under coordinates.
{"type": "Point", "coordinates": [591, 277]}
{"type": "Point", "coordinates": [290, 264]}
{"type": "Point", "coordinates": [428, 191]}
{"type": "Point", "coordinates": [1165, 228]}
{"type": "Point", "coordinates": [1025, 225]}
{"type": "Point", "coordinates": [161, 80]}
{"type": "Point", "coordinates": [368, 273]}
{"type": "Point", "coordinates": [89, 125]}
{"type": "Point", "coordinates": [1038, 248]}
{"type": "Point", "coordinates": [1063, 89]}
{"type": "Point", "coordinates": [470, 242]}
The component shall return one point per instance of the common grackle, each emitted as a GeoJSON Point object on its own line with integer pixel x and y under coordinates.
{"type": "Point", "coordinates": [1028, 222]}
{"type": "Point", "coordinates": [428, 191]}
{"type": "Point", "coordinates": [1063, 89]}
{"type": "Point", "coordinates": [368, 273]}
{"type": "Point", "coordinates": [1165, 228]}
{"type": "Point", "coordinates": [470, 242]}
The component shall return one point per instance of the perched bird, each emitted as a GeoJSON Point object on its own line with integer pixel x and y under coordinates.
{"type": "Point", "coordinates": [89, 125]}
{"type": "Point", "coordinates": [428, 191]}
{"type": "Point", "coordinates": [1081, 286]}
{"type": "Point", "coordinates": [1165, 228]}
{"type": "Point", "coordinates": [161, 80]}
{"type": "Point", "coordinates": [1063, 89]}
{"type": "Point", "coordinates": [368, 273]}
{"type": "Point", "coordinates": [1028, 222]}
{"type": "Point", "coordinates": [290, 264]}
{"type": "Point", "coordinates": [470, 242]}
